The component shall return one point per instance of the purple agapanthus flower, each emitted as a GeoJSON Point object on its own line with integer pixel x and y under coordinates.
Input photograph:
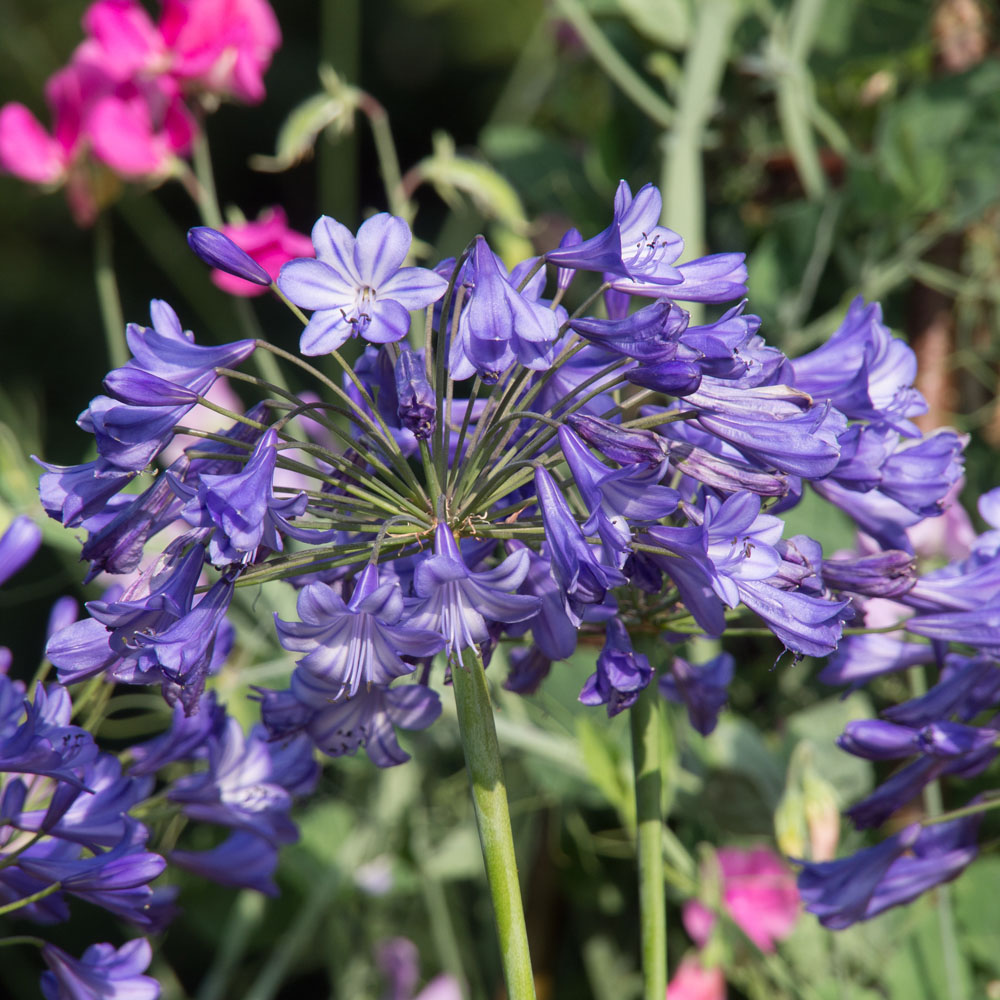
{"type": "Point", "coordinates": [864, 371]}
{"type": "Point", "coordinates": [368, 719]}
{"type": "Point", "coordinates": [237, 790]}
{"type": "Point", "coordinates": [458, 602]}
{"type": "Point", "coordinates": [621, 672]}
{"type": "Point", "coordinates": [353, 645]}
{"type": "Point", "coordinates": [500, 325]}
{"type": "Point", "coordinates": [102, 973]}
{"type": "Point", "coordinates": [243, 860]}
{"type": "Point", "coordinates": [17, 545]}
{"type": "Point", "coordinates": [357, 286]}
{"type": "Point", "coordinates": [840, 892]}
{"type": "Point", "coordinates": [640, 255]}
{"type": "Point", "coordinates": [702, 688]}
{"type": "Point", "coordinates": [583, 577]}
{"type": "Point", "coordinates": [241, 510]}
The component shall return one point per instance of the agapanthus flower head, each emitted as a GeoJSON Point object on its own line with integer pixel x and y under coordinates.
{"type": "Point", "coordinates": [357, 286]}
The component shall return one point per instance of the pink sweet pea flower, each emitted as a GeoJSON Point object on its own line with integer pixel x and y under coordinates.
{"type": "Point", "coordinates": [27, 150]}
{"type": "Point", "coordinates": [140, 128]}
{"type": "Point", "coordinates": [694, 982]}
{"type": "Point", "coordinates": [122, 37]}
{"type": "Point", "coordinates": [221, 46]}
{"type": "Point", "coordinates": [269, 242]}
{"type": "Point", "coordinates": [759, 892]}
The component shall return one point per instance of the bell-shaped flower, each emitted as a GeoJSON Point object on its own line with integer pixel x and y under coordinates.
{"type": "Point", "coordinates": [17, 545]}
{"type": "Point", "coordinates": [352, 646]}
{"type": "Point", "coordinates": [241, 509]}
{"type": "Point", "coordinates": [702, 688]}
{"type": "Point", "coordinates": [71, 494]}
{"type": "Point", "coordinates": [940, 853]}
{"type": "Point", "coordinates": [499, 325]}
{"type": "Point", "coordinates": [621, 672]}
{"type": "Point", "coordinates": [357, 287]}
{"type": "Point", "coordinates": [581, 574]}
{"type": "Point", "coordinates": [368, 719]}
{"type": "Point", "coordinates": [117, 880]}
{"type": "Point", "coordinates": [101, 972]}
{"type": "Point", "coordinates": [864, 371]}
{"type": "Point", "coordinates": [243, 860]}
{"type": "Point", "coordinates": [639, 255]}
{"type": "Point", "coordinates": [840, 892]}
{"type": "Point", "coordinates": [458, 603]}
{"type": "Point", "coordinates": [238, 788]}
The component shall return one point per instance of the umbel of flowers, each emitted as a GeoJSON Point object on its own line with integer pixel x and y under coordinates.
{"type": "Point", "coordinates": [505, 471]}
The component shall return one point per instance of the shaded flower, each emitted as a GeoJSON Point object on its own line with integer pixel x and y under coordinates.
{"type": "Point", "coordinates": [102, 973]}
{"type": "Point", "coordinates": [458, 602]}
{"type": "Point", "coordinates": [840, 892]}
{"type": "Point", "coordinates": [703, 689]}
{"type": "Point", "coordinates": [621, 672]}
{"type": "Point", "coordinates": [350, 646]}
{"type": "Point", "coordinates": [17, 545]}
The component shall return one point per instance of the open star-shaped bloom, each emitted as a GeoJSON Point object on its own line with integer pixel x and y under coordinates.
{"type": "Point", "coordinates": [357, 287]}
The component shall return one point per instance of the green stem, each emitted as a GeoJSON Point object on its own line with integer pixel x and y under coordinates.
{"type": "Point", "coordinates": [388, 160]}
{"type": "Point", "coordinates": [489, 796]}
{"type": "Point", "coordinates": [645, 719]}
{"type": "Point", "coordinates": [683, 181]}
{"type": "Point", "coordinates": [33, 898]}
{"type": "Point", "coordinates": [107, 293]}
{"type": "Point", "coordinates": [612, 62]}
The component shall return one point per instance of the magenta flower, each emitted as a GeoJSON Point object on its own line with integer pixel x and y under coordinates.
{"type": "Point", "coordinates": [221, 46]}
{"type": "Point", "coordinates": [357, 286]}
{"type": "Point", "coordinates": [270, 242]}
{"type": "Point", "coordinates": [759, 893]}
{"type": "Point", "coordinates": [694, 981]}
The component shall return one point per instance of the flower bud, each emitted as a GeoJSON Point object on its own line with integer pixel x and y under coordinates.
{"type": "Point", "coordinates": [417, 404]}
{"type": "Point", "coordinates": [220, 251]}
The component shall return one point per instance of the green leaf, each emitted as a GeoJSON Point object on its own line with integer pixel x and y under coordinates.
{"type": "Point", "coordinates": [606, 768]}
{"type": "Point", "coordinates": [491, 193]}
{"type": "Point", "coordinates": [297, 136]}
{"type": "Point", "coordinates": [666, 22]}
{"type": "Point", "coordinates": [977, 910]}
{"type": "Point", "coordinates": [820, 725]}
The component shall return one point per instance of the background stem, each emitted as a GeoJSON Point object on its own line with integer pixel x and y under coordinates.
{"type": "Point", "coordinates": [107, 293]}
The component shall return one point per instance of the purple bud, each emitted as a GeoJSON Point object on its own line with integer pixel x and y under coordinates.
{"type": "Point", "coordinates": [220, 251]}
{"type": "Point", "coordinates": [138, 388]}
{"type": "Point", "coordinates": [17, 545]}
{"type": "Point", "coordinates": [888, 574]}
{"type": "Point", "coordinates": [417, 403]}
{"type": "Point", "coordinates": [620, 444]}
